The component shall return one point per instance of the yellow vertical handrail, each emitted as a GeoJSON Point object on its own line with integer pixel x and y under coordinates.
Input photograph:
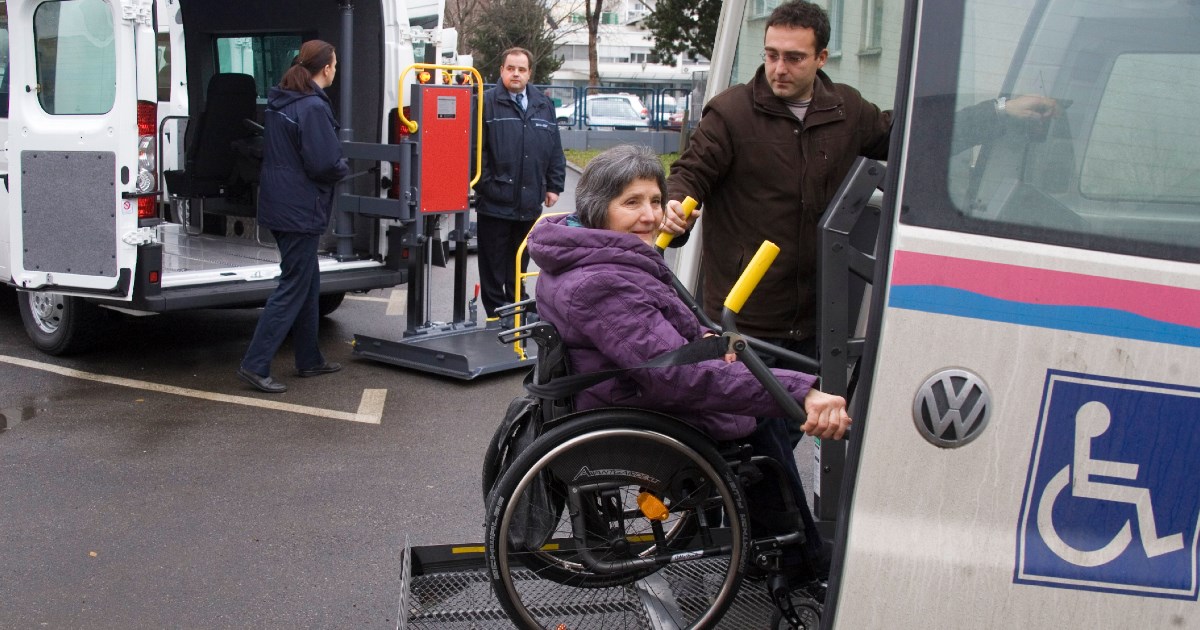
{"type": "Point", "coordinates": [411, 125]}
{"type": "Point", "coordinates": [521, 275]}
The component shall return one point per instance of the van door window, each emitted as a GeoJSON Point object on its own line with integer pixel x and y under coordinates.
{"type": "Point", "coordinates": [76, 57]}
{"type": "Point", "coordinates": [264, 57]}
{"type": "Point", "coordinates": [1083, 136]}
{"type": "Point", "coordinates": [1146, 139]}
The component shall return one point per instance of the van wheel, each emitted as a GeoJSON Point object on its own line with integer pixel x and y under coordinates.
{"type": "Point", "coordinates": [58, 324]}
{"type": "Point", "coordinates": [329, 302]}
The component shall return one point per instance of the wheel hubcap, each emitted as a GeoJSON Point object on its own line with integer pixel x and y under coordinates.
{"type": "Point", "coordinates": [46, 309]}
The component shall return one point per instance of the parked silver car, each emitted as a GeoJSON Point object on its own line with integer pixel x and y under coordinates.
{"type": "Point", "coordinates": [619, 111]}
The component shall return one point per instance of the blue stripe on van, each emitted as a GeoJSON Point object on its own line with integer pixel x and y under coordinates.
{"type": "Point", "coordinates": [1084, 319]}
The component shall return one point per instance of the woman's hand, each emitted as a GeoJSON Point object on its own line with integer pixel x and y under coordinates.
{"type": "Point", "coordinates": [827, 417]}
{"type": "Point", "coordinates": [730, 357]}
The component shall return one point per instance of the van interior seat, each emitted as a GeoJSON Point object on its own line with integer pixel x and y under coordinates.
{"type": "Point", "coordinates": [212, 161]}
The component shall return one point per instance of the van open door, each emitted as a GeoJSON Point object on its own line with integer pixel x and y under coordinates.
{"type": "Point", "coordinates": [73, 144]}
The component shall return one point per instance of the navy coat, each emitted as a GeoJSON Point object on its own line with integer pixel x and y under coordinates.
{"type": "Point", "coordinates": [522, 156]}
{"type": "Point", "coordinates": [302, 161]}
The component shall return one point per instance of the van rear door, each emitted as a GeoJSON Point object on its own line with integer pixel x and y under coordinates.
{"type": "Point", "coordinates": [73, 143]}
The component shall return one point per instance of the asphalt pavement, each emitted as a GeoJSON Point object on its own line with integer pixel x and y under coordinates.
{"type": "Point", "coordinates": [142, 485]}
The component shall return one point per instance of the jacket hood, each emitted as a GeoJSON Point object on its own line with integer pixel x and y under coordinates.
{"type": "Point", "coordinates": [556, 247]}
{"type": "Point", "coordinates": [278, 98]}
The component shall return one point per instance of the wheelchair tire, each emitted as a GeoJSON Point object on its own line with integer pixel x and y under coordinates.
{"type": "Point", "coordinates": [491, 461]}
{"type": "Point", "coordinates": [604, 459]}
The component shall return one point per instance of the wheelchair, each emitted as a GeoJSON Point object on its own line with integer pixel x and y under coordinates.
{"type": "Point", "coordinates": [628, 518]}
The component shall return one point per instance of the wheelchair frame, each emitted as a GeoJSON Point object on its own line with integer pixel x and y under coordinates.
{"type": "Point", "coordinates": [612, 542]}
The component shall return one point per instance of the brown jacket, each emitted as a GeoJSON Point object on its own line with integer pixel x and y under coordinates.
{"type": "Point", "coordinates": [763, 175]}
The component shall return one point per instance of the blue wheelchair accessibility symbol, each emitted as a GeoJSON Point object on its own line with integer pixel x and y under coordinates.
{"type": "Point", "coordinates": [1113, 493]}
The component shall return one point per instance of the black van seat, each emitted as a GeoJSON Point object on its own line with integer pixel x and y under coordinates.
{"type": "Point", "coordinates": [214, 178]}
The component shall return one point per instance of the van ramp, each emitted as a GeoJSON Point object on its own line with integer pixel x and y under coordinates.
{"type": "Point", "coordinates": [446, 587]}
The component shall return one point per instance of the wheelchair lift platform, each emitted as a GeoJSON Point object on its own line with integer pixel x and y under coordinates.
{"type": "Point", "coordinates": [463, 353]}
{"type": "Point", "coordinates": [446, 587]}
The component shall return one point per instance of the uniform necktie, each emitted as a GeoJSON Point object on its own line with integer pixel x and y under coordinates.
{"type": "Point", "coordinates": [520, 100]}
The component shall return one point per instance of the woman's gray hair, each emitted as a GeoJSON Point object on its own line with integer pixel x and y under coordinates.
{"type": "Point", "coordinates": [608, 175]}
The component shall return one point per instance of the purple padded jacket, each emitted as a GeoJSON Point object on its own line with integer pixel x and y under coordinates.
{"type": "Point", "coordinates": [610, 296]}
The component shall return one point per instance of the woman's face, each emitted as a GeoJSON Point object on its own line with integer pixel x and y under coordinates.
{"type": "Point", "coordinates": [637, 210]}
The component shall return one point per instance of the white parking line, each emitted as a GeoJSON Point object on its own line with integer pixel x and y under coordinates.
{"type": "Point", "coordinates": [396, 300]}
{"type": "Point", "coordinates": [370, 407]}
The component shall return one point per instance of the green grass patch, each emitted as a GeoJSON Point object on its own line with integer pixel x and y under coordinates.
{"type": "Point", "coordinates": [580, 157]}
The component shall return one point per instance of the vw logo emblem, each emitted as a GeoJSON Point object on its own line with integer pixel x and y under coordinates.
{"type": "Point", "coordinates": [952, 408]}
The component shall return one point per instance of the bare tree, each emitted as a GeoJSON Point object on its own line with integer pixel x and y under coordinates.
{"type": "Point", "coordinates": [465, 16]}
{"type": "Point", "coordinates": [592, 12]}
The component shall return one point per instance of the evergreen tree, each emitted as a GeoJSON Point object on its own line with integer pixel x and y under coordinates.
{"type": "Point", "coordinates": [684, 26]}
{"type": "Point", "coordinates": [509, 23]}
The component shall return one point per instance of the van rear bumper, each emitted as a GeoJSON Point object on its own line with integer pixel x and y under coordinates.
{"type": "Point", "coordinates": [256, 292]}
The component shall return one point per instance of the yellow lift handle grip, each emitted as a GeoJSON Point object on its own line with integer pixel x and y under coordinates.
{"type": "Point", "coordinates": [665, 238]}
{"type": "Point", "coordinates": [751, 276]}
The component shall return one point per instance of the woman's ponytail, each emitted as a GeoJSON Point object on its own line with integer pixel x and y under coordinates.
{"type": "Point", "coordinates": [314, 56]}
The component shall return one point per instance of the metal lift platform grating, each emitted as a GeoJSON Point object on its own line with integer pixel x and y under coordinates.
{"type": "Point", "coordinates": [447, 588]}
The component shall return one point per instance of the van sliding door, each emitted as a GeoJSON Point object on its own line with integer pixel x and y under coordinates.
{"type": "Point", "coordinates": [1028, 458]}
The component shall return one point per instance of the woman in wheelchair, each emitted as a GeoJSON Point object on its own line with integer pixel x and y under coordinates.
{"type": "Point", "coordinates": [608, 292]}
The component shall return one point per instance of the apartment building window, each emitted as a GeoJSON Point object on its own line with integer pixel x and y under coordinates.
{"type": "Point", "coordinates": [762, 8]}
{"type": "Point", "coordinates": [835, 10]}
{"type": "Point", "coordinates": [872, 28]}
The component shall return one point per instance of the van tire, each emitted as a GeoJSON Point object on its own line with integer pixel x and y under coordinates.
{"type": "Point", "coordinates": [59, 324]}
{"type": "Point", "coordinates": [329, 302]}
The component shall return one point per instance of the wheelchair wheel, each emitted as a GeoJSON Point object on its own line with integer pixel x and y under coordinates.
{"type": "Point", "coordinates": [569, 546]}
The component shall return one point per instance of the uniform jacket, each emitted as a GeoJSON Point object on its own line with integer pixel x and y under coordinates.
{"type": "Point", "coordinates": [302, 160]}
{"type": "Point", "coordinates": [522, 156]}
{"type": "Point", "coordinates": [763, 175]}
{"type": "Point", "coordinates": [610, 296]}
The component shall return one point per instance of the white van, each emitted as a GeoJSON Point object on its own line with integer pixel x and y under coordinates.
{"type": "Point", "coordinates": [131, 161]}
{"type": "Point", "coordinates": [1025, 390]}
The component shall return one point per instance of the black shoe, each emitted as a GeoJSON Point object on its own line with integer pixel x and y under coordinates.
{"type": "Point", "coordinates": [815, 590]}
{"type": "Point", "coordinates": [262, 383]}
{"type": "Point", "coordinates": [328, 367]}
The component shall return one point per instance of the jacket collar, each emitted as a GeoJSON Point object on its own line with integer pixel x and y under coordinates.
{"type": "Point", "coordinates": [826, 103]}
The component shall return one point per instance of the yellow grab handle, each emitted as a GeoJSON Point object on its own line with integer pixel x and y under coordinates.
{"type": "Point", "coordinates": [665, 238]}
{"type": "Point", "coordinates": [750, 277]}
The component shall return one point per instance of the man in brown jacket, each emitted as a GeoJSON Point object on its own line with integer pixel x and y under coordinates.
{"type": "Point", "coordinates": [765, 161]}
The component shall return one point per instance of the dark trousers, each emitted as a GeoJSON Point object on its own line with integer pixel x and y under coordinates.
{"type": "Point", "coordinates": [291, 307]}
{"type": "Point", "coordinates": [777, 438]}
{"type": "Point", "coordinates": [766, 505]}
{"type": "Point", "coordinates": [498, 241]}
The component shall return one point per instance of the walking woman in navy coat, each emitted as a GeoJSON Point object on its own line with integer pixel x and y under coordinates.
{"type": "Point", "coordinates": [302, 161]}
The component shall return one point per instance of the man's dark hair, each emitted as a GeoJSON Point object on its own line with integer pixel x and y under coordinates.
{"type": "Point", "coordinates": [801, 14]}
{"type": "Point", "coordinates": [517, 50]}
